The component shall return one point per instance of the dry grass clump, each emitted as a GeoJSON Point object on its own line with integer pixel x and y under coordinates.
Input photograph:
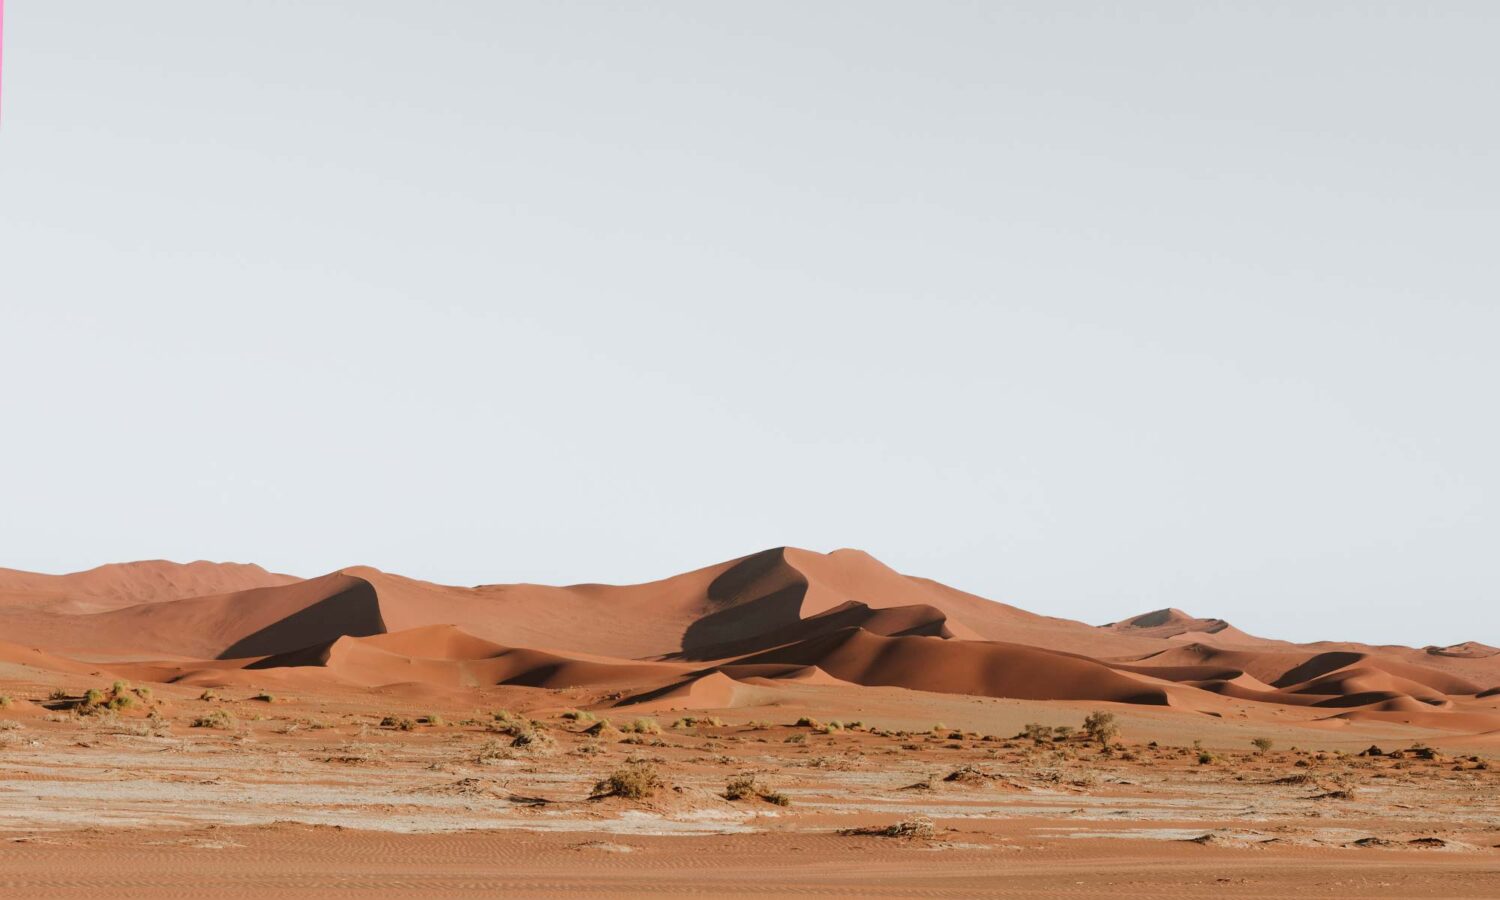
{"type": "Point", "coordinates": [218, 718]}
{"type": "Point", "coordinates": [209, 695]}
{"type": "Point", "coordinates": [643, 726]}
{"type": "Point", "coordinates": [709, 722]}
{"type": "Point", "coordinates": [636, 781]}
{"type": "Point", "coordinates": [400, 723]}
{"type": "Point", "coordinates": [603, 730]}
{"type": "Point", "coordinates": [807, 722]}
{"type": "Point", "coordinates": [534, 741]}
{"type": "Point", "coordinates": [265, 697]}
{"type": "Point", "coordinates": [743, 787]}
{"type": "Point", "coordinates": [434, 720]}
{"type": "Point", "coordinates": [1205, 758]}
{"type": "Point", "coordinates": [579, 715]}
{"type": "Point", "coordinates": [5, 701]}
{"type": "Point", "coordinates": [917, 828]}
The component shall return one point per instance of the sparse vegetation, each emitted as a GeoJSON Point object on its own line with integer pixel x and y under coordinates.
{"type": "Point", "coordinates": [744, 787]}
{"type": "Point", "coordinates": [5, 701]}
{"type": "Point", "coordinates": [1262, 745]}
{"type": "Point", "coordinates": [1101, 727]}
{"type": "Point", "coordinates": [400, 723]}
{"type": "Point", "coordinates": [209, 695]}
{"type": "Point", "coordinates": [1035, 731]}
{"type": "Point", "coordinates": [716, 722]}
{"type": "Point", "coordinates": [1205, 758]}
{"type": "Point", "coordinates": [636, 781]}
{"type": "Point", "coordinates": [219, 718]}
{"type": "Point", "coordinates": [265, 697]}
{"type": "Point", "coordinates": [579, 715]}
{"type": "Point", "coordinates": [533, 740]}
{"type": "Point", "coordinates": [918, 828]}
{"type": "Point", "coordinates": [643, 726]}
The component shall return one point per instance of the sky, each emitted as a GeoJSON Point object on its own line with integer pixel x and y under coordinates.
{"type": "Point", "coordinates": [1092, 308]}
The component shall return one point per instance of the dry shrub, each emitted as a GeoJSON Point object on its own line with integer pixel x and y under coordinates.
{"type": "Point", "coordinates": [636, 781]}
{"type": "Point", "coordinates": [219, 718]}
{"type": "Point", "coordinates": [744, 787]}
{"type": "Point", "coordinates": [918, 828]}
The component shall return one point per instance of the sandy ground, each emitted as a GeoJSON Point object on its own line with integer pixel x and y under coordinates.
{"type": "Point", "coordinates": [314, 796]}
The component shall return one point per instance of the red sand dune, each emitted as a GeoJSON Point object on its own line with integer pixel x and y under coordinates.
{"type": "Point", "coordinates": [715, 637]}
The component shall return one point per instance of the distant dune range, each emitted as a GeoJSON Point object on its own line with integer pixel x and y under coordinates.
{"type": "Point", "coordinates": [715, 638]}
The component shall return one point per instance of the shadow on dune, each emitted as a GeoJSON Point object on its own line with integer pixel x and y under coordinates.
{"type": "Point", "coordinates": [761, 593]}
{"type": "Point", "coordinates": [355, 611]}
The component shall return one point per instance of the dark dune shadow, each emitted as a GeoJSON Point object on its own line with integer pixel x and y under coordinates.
{"type": "Point", "coordinates": [1317, 667]}
{"type": "Point", "coordinates": [762, 593]}
{"type": "Point", "coordinates": [353, 611]}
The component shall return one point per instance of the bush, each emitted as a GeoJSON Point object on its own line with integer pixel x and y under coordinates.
{"type": "Point", "coordinates": [920, 827]}
{"type": "Point", "coordinates": [435, 720]}
{"type": "Point", "coordinates": [531, 740]}
{"type": "Point", "coordinates": [808, 722]}
{"type": "Point", "coordinates": [93, 697]}
{"type": "Point", "coordinates": [1036, 731]}
{"type": "Point", "coordinates": [5, 701]}
{"type": "Point", "coordinates": [579, 715]}
{"type": "Point", "coordinates": [745, 786]}
{"type": "Point", "coordinates": [219, 718]}
{"type": "Point", "coordinates": [400, 723]}
{"type": "Point", "coordinates": [634, 782]}
{"type": "Point", "coordinates": [1101, 726]}
{"type": "Point", "coordinates": [121, 701]}
{"type": "Point", "coordinates": [716, 722]}
{"type": "Point", "coordinates": [1205, 758]}
{"type": "Point", "coordinates": [209, 695]}
{"type": "Point", "coordinates": [265, 697]}
{"type": "Point", "coordinates": [643, 726]}
{"type": "Point", "coordinates": [58, 694]}
{"type": "Point", "coordinates": [1262, 744]}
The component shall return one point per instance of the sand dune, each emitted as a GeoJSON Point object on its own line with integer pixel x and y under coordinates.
{"type": "Point", "coordinates": [705, 639]}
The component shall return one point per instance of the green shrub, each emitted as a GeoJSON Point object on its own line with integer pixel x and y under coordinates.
{"type": "Point", "coordinates": [1262, 744]}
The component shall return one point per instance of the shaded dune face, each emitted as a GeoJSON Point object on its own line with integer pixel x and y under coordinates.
{"type": "Point", "coordinates": [720, 636]}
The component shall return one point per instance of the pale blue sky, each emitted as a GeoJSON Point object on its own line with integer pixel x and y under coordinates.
{"type": "Point", "coordinates": [1091, 308]}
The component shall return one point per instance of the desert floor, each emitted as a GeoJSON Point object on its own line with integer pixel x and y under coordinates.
{"type": "Point", "coordinates": [314, 796]}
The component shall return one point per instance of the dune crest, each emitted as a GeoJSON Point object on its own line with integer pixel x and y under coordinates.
{"type": "Point", "coordinates": [715, 637]}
